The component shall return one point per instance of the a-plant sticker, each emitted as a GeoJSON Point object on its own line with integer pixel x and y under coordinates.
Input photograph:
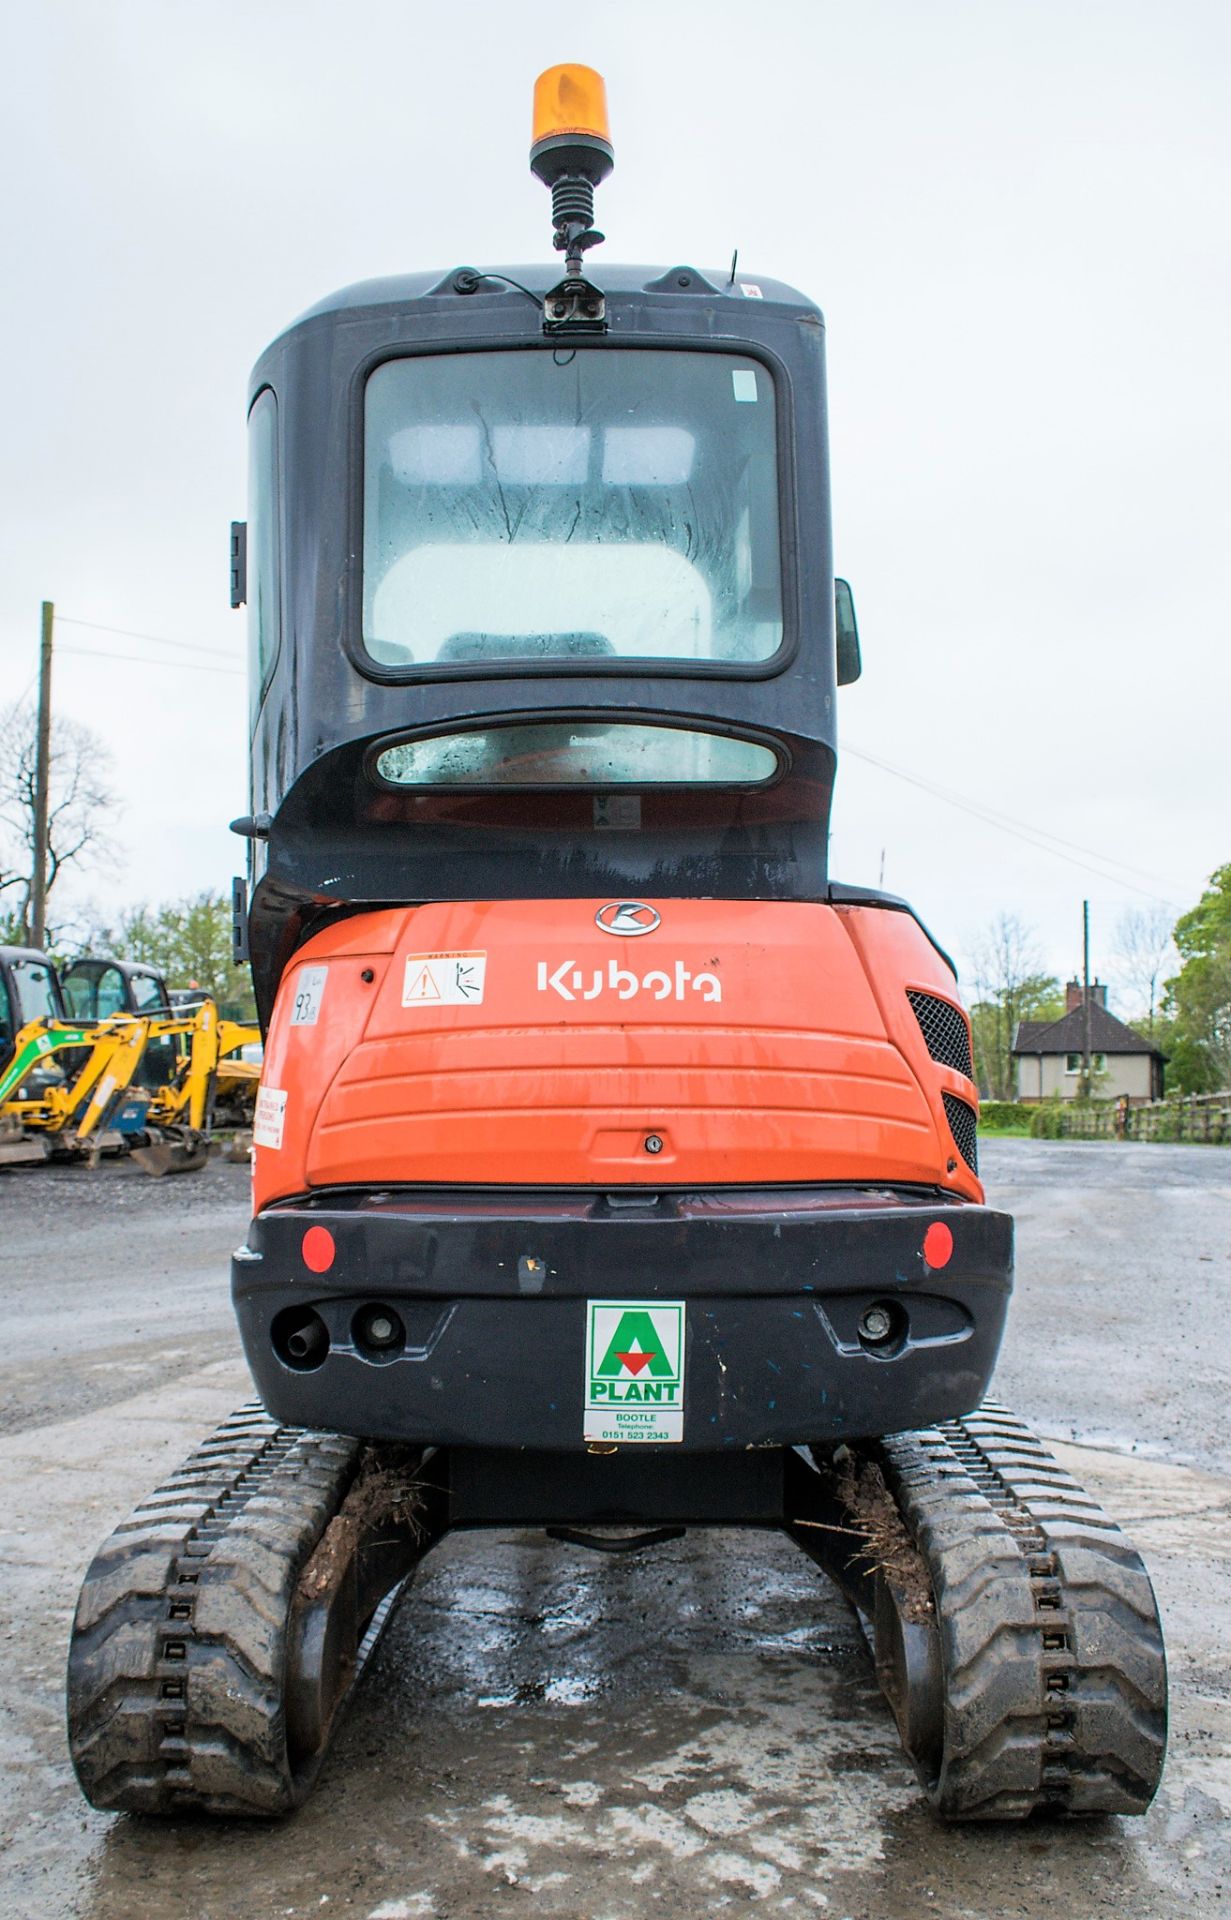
{"type": "Point", "coordinates": [634, 1371]}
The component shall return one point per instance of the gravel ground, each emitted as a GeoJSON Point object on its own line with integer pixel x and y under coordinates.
{"type": "Point", "coordinates": [112, 1282]}
{"type": "Point", "coordinates": [546, 1732]}
{"type": "Point", "coordinates": [1119, 1331]}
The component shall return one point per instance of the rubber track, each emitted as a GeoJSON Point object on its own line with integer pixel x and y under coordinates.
{"type": "Point", "coordinates": [176, 1665]}
{"type": "Point", "coordinates": [1055, 1679]}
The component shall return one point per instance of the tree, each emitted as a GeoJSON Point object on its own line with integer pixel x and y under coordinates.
{"type": "Point", "coordinates": [1199, 996]}
{"type": "Point", "coordinates": [1143, 947]}
{"type": "Point", "coordinates": [80, 796]}
{"type": "Point", "coordinates": [189, 942]}
{"type": "Point", "coordinates": [1010, 986]}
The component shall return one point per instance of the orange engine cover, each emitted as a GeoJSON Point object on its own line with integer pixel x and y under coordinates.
{"type": "Point", "coordinates": [517, 1043]}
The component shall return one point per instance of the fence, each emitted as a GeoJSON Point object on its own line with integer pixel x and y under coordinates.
{"type": "Point", "coordinates": [1202, 1117]}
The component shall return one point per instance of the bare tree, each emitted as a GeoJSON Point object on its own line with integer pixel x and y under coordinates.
{"type": "Point", "coordinates": [1010, 985]}
{"type": "Point", "coordinates": [1145, 952]}
{"type": "Point", "coordinates": [80, 798]}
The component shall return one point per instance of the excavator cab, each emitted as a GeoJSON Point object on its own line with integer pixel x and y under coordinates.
{"type": "Point", "coordinates": [30, 989]}
{"type": "Point", "coordinates": [97, 986]}
{"type": "Point", "coordinates": [615, 1166]}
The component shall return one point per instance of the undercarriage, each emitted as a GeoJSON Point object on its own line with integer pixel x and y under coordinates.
{"type": "Point", "coordinates": [1014, 1632]}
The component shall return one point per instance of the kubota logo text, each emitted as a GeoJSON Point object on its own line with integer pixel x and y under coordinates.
{"type": "Point", "coordinates": [572, 982]}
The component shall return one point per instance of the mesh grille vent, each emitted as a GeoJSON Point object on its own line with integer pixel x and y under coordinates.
{"type": "Point", "coordinates": [962, 1125]}
{"type": "Point", "coordinates": [944, 1029]}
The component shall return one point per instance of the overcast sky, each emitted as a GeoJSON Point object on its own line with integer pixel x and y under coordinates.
{"type": "Point", "coordinates": [1015, 217]}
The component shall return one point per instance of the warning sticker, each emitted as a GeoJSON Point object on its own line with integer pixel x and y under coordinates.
{"type": "Point", "coordinates": [309, 992]}
{"type": "Point", "coordinates": [444, 979]}
{"type": "Point", "coordinates": [269, 1118]}
{"type": "Point", "coordinates": [634, 1371]}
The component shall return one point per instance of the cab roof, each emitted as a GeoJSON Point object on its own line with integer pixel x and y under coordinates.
{"type": "Point", "coordinates": [399, 290]}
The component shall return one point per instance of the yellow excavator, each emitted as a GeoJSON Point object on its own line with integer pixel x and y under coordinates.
{"type": "Point", "coordinates": [97, 986]}
{"type": "Point", "coordinates": [210, 1081]}
{"type": "Point", "coordinates": [62, 1107]}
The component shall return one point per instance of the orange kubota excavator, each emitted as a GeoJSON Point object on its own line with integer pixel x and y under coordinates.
{"type": "Point", "coordinates": [615, 1167]}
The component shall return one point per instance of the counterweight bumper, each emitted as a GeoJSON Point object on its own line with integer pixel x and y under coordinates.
{"type": "Point", "coordinates": [461, 1317]}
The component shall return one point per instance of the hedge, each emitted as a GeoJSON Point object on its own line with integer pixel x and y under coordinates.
{"type": "Point", "coordinates": [995, 1115]}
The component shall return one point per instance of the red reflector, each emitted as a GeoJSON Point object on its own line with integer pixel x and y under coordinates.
{"type": "Point", "coordinates": [937, 1244]}
{"type": "Point", "coordinates": [318, 1249]}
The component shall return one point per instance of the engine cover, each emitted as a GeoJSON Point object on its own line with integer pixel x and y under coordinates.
{"type": "Point", "coordinates": [591, 1043]}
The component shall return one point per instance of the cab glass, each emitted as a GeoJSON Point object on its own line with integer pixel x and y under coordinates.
{"type": "Point", "coordinates": [569, 753]}
{"type": "Point", "coordinates": [573, 506]}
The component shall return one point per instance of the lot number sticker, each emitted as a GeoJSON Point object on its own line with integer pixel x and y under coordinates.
{"type": "Point", "coordinates": [444, 979]}
{"type": "Point", "coordinates": [309, 992]}
{"type": "Point", "coordinates": [269, 1118]}
{"type": "Point", "coordinates": [634, 1371]}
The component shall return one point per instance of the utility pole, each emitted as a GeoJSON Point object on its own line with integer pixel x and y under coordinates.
{"type": "Point", "coordinates": [1085, 999]}
{"type": "Point", "coordinates": [42, 783]}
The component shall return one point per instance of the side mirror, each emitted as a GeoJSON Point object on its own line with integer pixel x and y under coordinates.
{"type": "Point", "coordinates": [850, 666]}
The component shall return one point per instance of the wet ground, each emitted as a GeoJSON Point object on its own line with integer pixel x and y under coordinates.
{"type": "Point", "coordinates": [548, 1732]}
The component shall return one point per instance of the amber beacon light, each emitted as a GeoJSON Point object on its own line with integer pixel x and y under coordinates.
{"type": "Point", "coordinates": [571, 153]}
{"type": "Point", "coordinates": [571, 100]}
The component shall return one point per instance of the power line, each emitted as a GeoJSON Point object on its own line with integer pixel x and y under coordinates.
{"type": "Point", "coordinates": [173, 666]}
{"type": "Point", "coordinates": [1031, 837]}
{"type": "Point", "coordinates": [157, 639]}
{"type": "Point", "coordinates": [1037, 837]}
{"type": "Point", "coordinates": [995, 814]}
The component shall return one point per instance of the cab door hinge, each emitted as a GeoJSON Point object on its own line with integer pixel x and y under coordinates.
{"type": "Point", "coordinates": [239, 562]}
{"type": "Point", "coordinates": [239, 921]}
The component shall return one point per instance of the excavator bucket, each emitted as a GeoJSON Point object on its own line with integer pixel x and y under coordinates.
{"type": "Point", "coordinates": [187, 1153]}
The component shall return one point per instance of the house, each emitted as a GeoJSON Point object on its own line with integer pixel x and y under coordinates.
{"type": "Point", "coordinates": [1048, 1053]}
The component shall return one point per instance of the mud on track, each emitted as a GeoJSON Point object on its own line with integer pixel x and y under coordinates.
{"type": "Point", "coordinates": [549, 1732]}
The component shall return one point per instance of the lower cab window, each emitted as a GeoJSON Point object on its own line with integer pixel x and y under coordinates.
{"type": "Point", "coordinates": [565, 753]}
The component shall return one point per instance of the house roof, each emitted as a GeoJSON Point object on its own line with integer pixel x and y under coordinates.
{"type": "Point", "coordinates": [1068, 1035]}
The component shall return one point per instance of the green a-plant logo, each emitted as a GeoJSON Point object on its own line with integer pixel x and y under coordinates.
{"type": "Point", "coordinates": [635, 1347]}
{"type": "Point", "coordinates": [634, 1370]}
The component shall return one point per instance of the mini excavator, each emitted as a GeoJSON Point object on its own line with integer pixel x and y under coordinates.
{"type": "Point", "coordinates": [615, 1168]}
{"type": "Point", "coordinates": [146, 1081]}
{"type": "Point", "coordinates": [100, 1057]}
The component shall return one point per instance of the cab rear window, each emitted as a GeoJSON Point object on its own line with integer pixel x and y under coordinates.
{"type": "Point", "coordinates": [569, 753]}
{"type": "Point", "coordinates": [580, 508]}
